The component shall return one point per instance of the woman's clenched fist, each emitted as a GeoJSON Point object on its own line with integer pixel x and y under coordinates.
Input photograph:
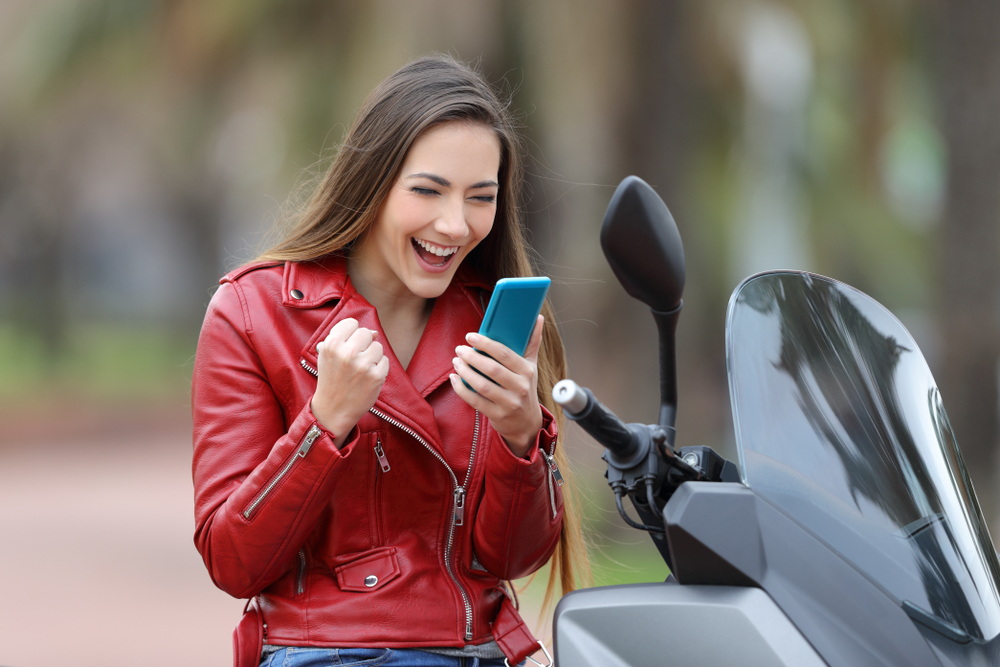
{"type": "Point", "coordinates": [352, 369]}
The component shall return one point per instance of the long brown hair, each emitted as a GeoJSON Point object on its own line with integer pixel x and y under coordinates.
{"type": "Point", "coordinates": [426, 92]}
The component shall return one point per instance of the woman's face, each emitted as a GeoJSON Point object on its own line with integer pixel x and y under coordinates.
{"type": "Point", "coordinates": [442, 205]}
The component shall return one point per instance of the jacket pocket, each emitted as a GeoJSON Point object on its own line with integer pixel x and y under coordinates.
{"type": "Point", "coordinates": [367, 571]}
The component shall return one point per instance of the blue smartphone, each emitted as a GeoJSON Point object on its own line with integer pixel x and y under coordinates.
{"type": "Point", "coordinates": [512, 312]}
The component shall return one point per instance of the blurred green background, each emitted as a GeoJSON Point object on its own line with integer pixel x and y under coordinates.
{"type": "Point", "coordinates": [147, 146]}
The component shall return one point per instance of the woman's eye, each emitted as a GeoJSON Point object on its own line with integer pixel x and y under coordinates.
{"type": "Point", "coordinates": [486, 199]}
{"type": "Point", "coordinates": [424, 191]}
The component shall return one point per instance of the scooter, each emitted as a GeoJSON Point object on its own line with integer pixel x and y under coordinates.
{"type": "Point", "coordinates": [848, 535]}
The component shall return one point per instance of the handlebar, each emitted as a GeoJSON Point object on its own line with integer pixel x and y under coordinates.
{"type": "Point", "coordinates": [579, 404]}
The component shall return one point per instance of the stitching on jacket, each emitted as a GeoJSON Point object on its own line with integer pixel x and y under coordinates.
{"type": "Point", "coordinates": [232, 276]}
{"type": "Point", "coordinates": [247, 322]}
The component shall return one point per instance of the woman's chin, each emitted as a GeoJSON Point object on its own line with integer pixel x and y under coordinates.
{"type": "Point", "coordinates": [430, 285]}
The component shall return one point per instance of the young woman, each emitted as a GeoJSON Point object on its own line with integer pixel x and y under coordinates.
{"type": "Point", "coordinates": [371, 505]}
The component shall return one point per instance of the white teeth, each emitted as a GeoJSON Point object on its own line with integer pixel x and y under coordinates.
{"type": "Point", "coordinates": [436, 249]}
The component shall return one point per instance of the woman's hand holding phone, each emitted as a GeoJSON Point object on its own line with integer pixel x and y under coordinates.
{"type": "Point", "coordinates": [352, 368]}
{"type": "Point", "coordinates": [505, 388]}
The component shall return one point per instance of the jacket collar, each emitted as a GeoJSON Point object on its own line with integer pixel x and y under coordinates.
{"type": "Point", "coordinates": [311, 284]}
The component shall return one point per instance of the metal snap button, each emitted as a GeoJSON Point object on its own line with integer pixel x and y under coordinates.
{"type": "Point", "coordinates": [371, 580]}
{"type": "Point", "coordinates": [296, 294]}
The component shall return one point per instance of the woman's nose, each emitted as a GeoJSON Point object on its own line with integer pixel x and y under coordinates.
{"type": "Point", "coordinates": [452, 222]}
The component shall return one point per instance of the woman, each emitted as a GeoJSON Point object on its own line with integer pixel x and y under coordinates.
{"type": "Point", "coordinates": [346, 480]}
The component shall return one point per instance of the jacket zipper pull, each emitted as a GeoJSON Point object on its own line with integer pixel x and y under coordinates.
{"type": "Point", "coordinates": [459, 506]}
{"type": "Point", "coordinates": [300, 581]}
{"type": "Point", "coordinates": [551, 460]}
{"type": "Point", "coordinates": [311, 437]}
{"type": "Point", "coordinates": [380, 453]}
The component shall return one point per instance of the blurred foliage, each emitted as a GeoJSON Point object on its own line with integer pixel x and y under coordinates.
{"type": "Point", "coordinates": [102, 363]}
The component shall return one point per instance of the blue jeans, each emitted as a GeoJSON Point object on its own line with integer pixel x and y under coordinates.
{"type": "Point", "coordinates": [295, 656]}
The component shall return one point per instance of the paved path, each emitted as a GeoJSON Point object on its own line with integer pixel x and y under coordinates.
{"type": "Point", "coordinates": [97, 563]}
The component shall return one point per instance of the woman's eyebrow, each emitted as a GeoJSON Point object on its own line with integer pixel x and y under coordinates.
{"type": "Point", "coordinates": [443, 182]}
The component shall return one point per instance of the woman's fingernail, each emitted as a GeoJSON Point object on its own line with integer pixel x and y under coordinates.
{"type": "Point", "coordinates": [454, 362]}
{"type": "Point", "coordinates": [472, 338]}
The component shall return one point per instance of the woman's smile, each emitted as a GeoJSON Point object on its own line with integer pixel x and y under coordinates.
{"type": "Point", "coordinates": [435, 256]}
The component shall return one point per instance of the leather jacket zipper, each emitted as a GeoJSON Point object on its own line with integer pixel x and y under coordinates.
{"type": "Point", "coordinates": [458, 492]}
{"type": "Point", "coordinates": [554, 474]}
{"type": "Point", "coordinates": [300, 587]}
{"type": "Point", "coordinates": [311, 435]}
{"type": "Point", "coordinates": [383, 461]}
{"type": "Point", "coordinates": [551, 460]}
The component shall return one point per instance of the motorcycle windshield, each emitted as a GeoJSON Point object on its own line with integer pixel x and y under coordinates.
{"type": "Point", "coordinates": [840, 425]}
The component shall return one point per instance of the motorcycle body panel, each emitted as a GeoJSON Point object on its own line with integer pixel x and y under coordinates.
{"type": "Point", "coordinates": [680, 626]}
{"type": "Point", "coordinates": [726, 531]}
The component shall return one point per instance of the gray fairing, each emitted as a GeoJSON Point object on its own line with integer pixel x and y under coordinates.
{"type": "Point", "coordinates": [801, 603]}
{"type": "Point", "coordinates": [680, 626]}
{"type": "Point", "coordinates": [726, 530]}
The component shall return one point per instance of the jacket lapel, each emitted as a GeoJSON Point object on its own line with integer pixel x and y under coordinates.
{"type": "Point", "coordinates": [455, 313]}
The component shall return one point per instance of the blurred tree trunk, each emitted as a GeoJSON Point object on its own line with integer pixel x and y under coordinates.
{"type": "Point", "coordinates": [649, 117]}
{"type": "Point", "coordinates": [653, 128]}
{"type": "Point", "coordinates": [970, 242]}
{"type": "Point", "coordinates": [658, 130]}
{"type": "Point", "coordinates": [35, 217]}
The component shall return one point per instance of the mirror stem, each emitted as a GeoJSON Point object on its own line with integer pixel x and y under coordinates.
{"type": "Point", "coordinates": [666, 325]}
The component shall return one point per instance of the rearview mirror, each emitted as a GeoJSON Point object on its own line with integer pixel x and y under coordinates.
{"type": "Point", "coordinates": [643, 247]}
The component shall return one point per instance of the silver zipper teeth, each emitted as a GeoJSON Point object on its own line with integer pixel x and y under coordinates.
{"type": "Point", "coordinates": [263, 494]}
{"type": "Point", "coordinates": [300, 589]}
{"type": "Point", "coordinates": [310, 438]}
{"type": "Point", "coordinates": [550, 459]}
{"type": "Point", "coordinates": [308, 367]}
{"type": "Point", "coordinates": [451, 524]}
{"type": "Point", "coordinates": [472, 456]}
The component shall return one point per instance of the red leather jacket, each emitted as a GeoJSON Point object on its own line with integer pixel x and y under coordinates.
{"type": "Point", "coordinates": [399, 539]}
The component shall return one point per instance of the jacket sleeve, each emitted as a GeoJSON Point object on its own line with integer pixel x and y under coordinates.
{"type": "Point", "coordinates": [519, 520]}
{"type": "Point", "coordinates": [259, 485]}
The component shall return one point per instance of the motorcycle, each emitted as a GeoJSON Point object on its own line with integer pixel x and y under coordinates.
{"type": "Point", "coordinates": [848, 535]}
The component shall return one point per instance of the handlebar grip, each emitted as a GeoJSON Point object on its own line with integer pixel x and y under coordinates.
{"type": "Point", "coordinates": [579, 404]}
